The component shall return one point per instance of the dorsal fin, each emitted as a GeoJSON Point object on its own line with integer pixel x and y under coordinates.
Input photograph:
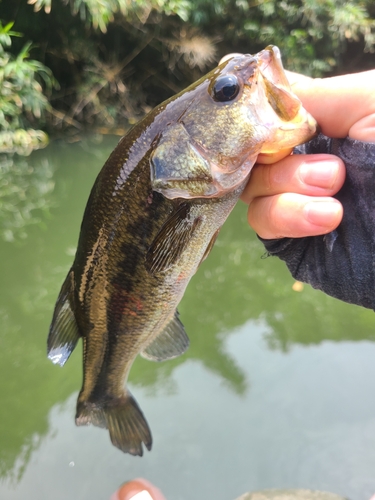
{"type": "Point", "coordinates": [170, 343]}
{"type": "Point", "coordinates": [171, 240]}
{"type": "Point", "coordinates": [63, 333]}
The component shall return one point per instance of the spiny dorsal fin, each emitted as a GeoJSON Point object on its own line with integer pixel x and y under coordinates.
{"type": "Point", "coordinates": [169, 344]}
{"type": "Point", "coordinates": [63, 333]}
{"type": "Point", "coordinates": [171, 240]}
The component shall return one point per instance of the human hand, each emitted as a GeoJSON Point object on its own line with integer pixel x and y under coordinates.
{"type": "Point", "coordinates": [138, 489]}
{"type": "Point", "coordinates": [293, 197]}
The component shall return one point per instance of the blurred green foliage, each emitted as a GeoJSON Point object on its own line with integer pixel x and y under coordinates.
{"type": "Point", "coordinates": [22, 101]}
{"type": "Point", "coordinates": [116, 59]}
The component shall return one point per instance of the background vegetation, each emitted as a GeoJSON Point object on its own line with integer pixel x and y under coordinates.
{"type": "Point", "coordinates": [71, 64]}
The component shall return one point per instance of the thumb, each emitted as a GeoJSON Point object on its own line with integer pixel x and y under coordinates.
{"type": "Point", "coordinates": [342, 105]}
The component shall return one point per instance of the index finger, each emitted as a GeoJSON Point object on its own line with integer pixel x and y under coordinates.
{"type": "Point", "coordinates": [311, 175]}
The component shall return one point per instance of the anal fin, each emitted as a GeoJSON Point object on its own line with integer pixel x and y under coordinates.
{"type": "Point", "coordinates": [169, 344]}
{"type": "Point", "coordinates": [63, 333]}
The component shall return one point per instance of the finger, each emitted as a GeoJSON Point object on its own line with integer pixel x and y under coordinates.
{"type": "Point", "coordinates": [138, 489]}
{"type": "Point", "coordinates": [339, 102]}
{"type": "Point", "coordinates": [312, 175]}
{"type": "Point", "coordinates": [293, 215]}
{"type": "Point", "coordinates": [364, 130]}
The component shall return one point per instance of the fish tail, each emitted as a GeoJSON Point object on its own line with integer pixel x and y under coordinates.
{"type": "Point", "coordinates": [127, 426]}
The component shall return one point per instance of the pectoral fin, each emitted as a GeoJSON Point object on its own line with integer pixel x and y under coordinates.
{"type": "Point", "coordinates": [171, 342]}
{"type": "Point", "coordinates": [63, 334]}
{"type": "Point", "coordinates": [171, 240]}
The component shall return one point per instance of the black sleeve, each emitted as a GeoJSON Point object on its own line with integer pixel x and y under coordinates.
{"type": "Point", "coordinates": [341, 263]}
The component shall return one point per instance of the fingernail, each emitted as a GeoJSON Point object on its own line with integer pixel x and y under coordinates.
{"type": "Point", "coordinates": [142, 495]}
{"type": "Point", "coordinates": [319, 173]}
{"type": "Point", "coordinates": [322, 213]}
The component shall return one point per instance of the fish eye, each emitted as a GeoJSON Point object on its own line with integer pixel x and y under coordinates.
{"type": "Point", "coordinates": [225, 88]}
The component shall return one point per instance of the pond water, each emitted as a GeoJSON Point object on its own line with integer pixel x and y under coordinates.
{"type": "Point", "coordinates": [276, 390]}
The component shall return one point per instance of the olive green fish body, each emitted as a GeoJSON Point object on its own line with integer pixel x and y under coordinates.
{"type": "Point", "coordinates": [153, 215]}
{"type": "Point", "coordinates": [122, 305]}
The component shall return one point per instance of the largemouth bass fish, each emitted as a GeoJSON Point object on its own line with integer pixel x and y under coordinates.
{"type": "Point", "coordinates": [153, 215]}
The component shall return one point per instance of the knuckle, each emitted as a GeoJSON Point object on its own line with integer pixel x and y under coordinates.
{"type": "Point", "coordinates": [267, 178]}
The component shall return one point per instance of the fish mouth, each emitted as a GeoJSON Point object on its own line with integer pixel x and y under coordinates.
{"type": "Point", "coordinates": [271, 66]}
{"type": "Point", "coordinates": [269, 158]}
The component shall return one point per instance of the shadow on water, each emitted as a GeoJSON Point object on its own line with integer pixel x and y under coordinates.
{"type": "Point", "coordinates": [44, 202]}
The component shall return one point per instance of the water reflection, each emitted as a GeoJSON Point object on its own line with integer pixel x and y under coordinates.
{"type": "Point", "coordinates": [233, 289]}
{"type": "Point", "coordinates": [210, 442]}
{"type": "Point", "coordinates": [26, 187]}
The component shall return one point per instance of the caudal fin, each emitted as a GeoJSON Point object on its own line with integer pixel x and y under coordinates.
{"type": "Point", "coordinates": [127, 426]}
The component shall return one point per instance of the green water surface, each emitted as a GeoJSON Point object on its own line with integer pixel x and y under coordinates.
{"type": "Point", "coordinates": [276, 390]}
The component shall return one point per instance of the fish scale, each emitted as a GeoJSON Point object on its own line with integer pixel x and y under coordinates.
{"type": "Point", "coordinates": [153, 215]}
